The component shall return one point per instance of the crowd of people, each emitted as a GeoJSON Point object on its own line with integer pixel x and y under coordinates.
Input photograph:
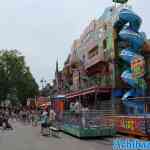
{"type": "Point", "coordinates": [26, 116]}
{"type": "Point", "coordinates": [5, 115]}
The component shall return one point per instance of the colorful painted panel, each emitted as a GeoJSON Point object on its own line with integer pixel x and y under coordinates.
{"type": "Point", "coordinates": [138, 67]}
{"type": "Point", "coordinates": [132, 125]}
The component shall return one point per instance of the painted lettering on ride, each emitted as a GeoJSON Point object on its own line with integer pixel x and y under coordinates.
{"type": "Point", "coordinates": [128, 124]}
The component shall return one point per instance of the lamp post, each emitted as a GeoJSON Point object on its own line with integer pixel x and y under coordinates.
{"type": "Point", "coordinates": [43, 82]}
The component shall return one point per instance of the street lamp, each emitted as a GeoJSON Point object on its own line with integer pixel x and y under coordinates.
{"type": "Point", "coordinates": [43, 82]}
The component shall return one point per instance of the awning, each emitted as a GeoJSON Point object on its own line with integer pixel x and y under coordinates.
{"type": "Point", "coordinates": [59, 97]}
{"type": "Point", "coordinates": [88, 91]}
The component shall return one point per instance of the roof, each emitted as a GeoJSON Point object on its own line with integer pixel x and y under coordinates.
{"type": "Point", "coordinates": [87, 91]}
{"type": "Point", "coordinates": [59, 97]}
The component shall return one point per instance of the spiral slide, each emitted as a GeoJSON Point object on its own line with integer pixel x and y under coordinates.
{"type": "Point", "coordinates": [127, 27]}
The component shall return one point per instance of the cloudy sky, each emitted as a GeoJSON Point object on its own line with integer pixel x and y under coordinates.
{"type": "Point", "coordinates": [43, 30]}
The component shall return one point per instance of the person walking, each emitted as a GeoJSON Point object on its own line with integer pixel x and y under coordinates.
{"type": "Point", "coordinates": [44, 122]}
{"type": "Point", "coordinates": [52, 116]}
{"type": "Point", "coordinates": [6, 122]}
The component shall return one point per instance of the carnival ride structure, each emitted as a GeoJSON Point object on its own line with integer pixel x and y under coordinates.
{"type": "Point", "coordinates": [127, 27]}
{"type": "Point", "coordinates": [94, 123]}
{"type": "Point", "coordinates": [131, 47]}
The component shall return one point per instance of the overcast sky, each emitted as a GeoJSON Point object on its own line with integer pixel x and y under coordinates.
{"type": "Point", "coordinates": [43, 30]}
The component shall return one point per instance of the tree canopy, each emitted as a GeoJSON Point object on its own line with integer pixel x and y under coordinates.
{"type": "Point", "coordinates": [16, 81]}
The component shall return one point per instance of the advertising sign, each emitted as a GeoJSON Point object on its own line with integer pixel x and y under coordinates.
{"type": "Point", "coordinates": [138, 67]}
{"type": "Point", "coordinates": [131, 125]}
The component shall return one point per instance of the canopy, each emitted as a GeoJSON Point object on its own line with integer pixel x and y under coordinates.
{"type": "Point", "coordinates": [59, 97]}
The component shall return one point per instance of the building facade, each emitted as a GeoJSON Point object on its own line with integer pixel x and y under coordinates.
{"type": "Point", "coordinates": [90, 63]}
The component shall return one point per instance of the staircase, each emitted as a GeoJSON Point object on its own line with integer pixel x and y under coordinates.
{"type": "Point", "coordinates": [105, 107]}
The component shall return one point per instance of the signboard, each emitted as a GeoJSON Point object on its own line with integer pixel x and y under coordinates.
{"type": "Point", "coordinates": [120, 1]}
{"type": "Point", "coordinates": [138, 67]}
{"type": "Point", "coordinates": [131, 125]}
{"type": "Point", "coordinates": [138, 71]}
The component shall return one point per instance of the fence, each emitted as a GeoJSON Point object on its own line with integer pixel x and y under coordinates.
{"type": "Point", "coordinates": [90, 119]}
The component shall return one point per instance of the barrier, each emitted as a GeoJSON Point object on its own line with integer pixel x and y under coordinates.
{"type": "Point", "coordinates": [87, 124]}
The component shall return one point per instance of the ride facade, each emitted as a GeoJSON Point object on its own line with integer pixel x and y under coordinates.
{"type": "Point", "coordinates": [106, 67]}
{"type": "Point", "coordinates": [129, 48]}
{"type": "Point", "coordinates": [132, 41]}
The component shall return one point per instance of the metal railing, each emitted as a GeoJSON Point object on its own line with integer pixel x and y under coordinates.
{"type": "Point", "coordinates": [90, 119]}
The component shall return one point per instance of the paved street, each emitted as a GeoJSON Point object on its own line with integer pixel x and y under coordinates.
{"type": "Point", "coordinates": [29, 138]}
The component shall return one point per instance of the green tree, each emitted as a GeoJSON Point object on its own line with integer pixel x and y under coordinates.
{"type": "Point", "coordinates": [16, 79]}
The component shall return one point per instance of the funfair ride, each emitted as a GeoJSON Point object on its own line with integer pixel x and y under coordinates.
{"type": "Point", "coordinates": [130, 43]}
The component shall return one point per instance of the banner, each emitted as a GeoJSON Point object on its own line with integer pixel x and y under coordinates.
{"type": "Point", "coordinates": [132, 125]}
